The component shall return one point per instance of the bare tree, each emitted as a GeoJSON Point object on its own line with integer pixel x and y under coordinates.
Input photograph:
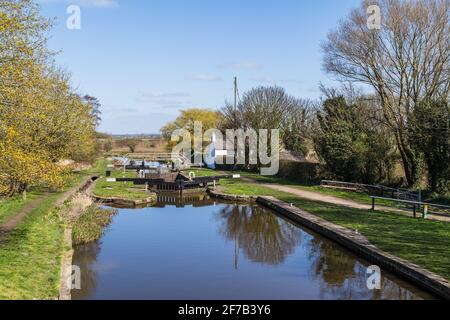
{"type": "Point", "coordinates": [405, 62]}
{"type": "Point", "coordinates": [130, 143]}
{"type": "Point", "coordinates": [271, 108]}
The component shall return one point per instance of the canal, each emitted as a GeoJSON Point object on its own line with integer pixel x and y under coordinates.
{"type": "Point", "coordinates": [205, 249]}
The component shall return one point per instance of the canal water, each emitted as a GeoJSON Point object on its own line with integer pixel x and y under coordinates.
{"type": "Point", "coordinates": [199, 248]}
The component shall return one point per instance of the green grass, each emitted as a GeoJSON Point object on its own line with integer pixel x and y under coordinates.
{"type": "Point", "coordinates": [30, 259]}
{"type": "Point", "coordinates": [9, 207]}
{"type": "Point", "coordinates": [358, 197]}
{"type": "Point", "coordinates": [424, 242]}
{"type": "Point", "coordinates": [122, 190]}
{"type": "Point", "coordinates": [203, 172]}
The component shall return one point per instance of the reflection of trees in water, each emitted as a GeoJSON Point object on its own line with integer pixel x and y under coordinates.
{"type": "Point", "coordinates": [262, 236]}
{"type": "Point", "coordinates": [342, 276]}
{"type": "Point", "coordinates": [85, 257]}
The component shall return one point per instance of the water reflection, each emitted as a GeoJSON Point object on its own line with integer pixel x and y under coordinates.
{"type": "Point", "coordinates": [262, 236]}
{"type": "Point", "coordinates": [179, 252]}
{"type": "Point", "coordinates": [269, 239]}
{"type": "Point", "coordinates": [86, 258]}
{"type": "Point", "coordinates": [340, 274]}
{"type": "Point", "coordinates": [195, 200]}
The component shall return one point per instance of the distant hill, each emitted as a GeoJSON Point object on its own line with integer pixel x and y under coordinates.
{"type": "Point", "coordinates": [136, 136]}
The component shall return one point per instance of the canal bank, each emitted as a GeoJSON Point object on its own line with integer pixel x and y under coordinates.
{"type": "Point", "coordinates": [31, 253]}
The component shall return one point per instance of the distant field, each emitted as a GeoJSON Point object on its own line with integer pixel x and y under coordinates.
{"type": "Point", "coordinates": [145, 145]}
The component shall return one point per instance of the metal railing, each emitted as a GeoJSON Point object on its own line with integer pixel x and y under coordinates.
{"type": "Point", "coordinates": [424, 207]}
{"type": "Point", "coordinates": [375, 190]}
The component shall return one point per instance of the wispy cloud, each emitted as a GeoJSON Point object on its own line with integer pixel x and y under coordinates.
{"type": "Point", "coordinates": [85, 3]}
{"type": "Point", "coordinates": [117, 109]}
{"type": "Point", "coordinates": [203, 77]}
{"type": "Point", "coordinates": [275, 80]}
{"type": "Point", "coordinates": [243, 65]}
{"type": "Point", "coordinates": [170, 100]}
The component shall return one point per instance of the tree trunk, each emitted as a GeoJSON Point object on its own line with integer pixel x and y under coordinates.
{"type": "Point", "coordinates": [408, 160]}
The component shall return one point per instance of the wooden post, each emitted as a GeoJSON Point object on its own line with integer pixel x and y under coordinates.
{"type": "Point", "coordinates": [373, 204]}
{"type": "Point", "coordinates": [414, 210]}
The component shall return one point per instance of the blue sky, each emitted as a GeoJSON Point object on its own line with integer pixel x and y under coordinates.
{"type": "Point", "coordinates": [147, 59]}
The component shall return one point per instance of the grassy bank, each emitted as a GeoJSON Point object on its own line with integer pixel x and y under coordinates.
{"type": "Point", "coordinates": [424, 242]}
{"type": "Point", "coordinates": [30, 257]}
{"type": "Point", "coordinates": [11, 206]}
{"type": "Point", "coordinates": [91, 224]}
{"type": "Point", "coordinates": [122, 190]}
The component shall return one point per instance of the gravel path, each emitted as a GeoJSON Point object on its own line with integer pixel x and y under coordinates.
{"type": "Point", "coordinates": [316, 196]}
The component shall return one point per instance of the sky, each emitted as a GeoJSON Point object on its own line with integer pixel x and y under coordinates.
{"type": "Point", "coordinates": [146, 60]}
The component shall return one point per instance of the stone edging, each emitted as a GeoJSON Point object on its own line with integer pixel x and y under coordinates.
{"type": "Point", "coordinates": [230, 197]}
{"type": "Point", "coordinates": [361, 246]}
{"type": "Point", "coordinates": [65, 292]}
{"type": "Point", "coordinates": [123, 202]}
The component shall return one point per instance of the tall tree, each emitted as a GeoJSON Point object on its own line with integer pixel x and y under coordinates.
{"type": "Point", "coordinates": [42, 120]}
{"type": "Point", "coordinates": [405, 61]}
{"type": "Point", "coordinates": [431, 131]}
{"type": "Point", "coordinates": [351, 147]}
{"type": "Point", "coordinates": [95, 104]}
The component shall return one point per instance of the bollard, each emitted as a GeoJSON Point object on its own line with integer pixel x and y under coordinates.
{"type": "Point", "coordinates": [373, 204]}
{"type": "Point", "coordinates": [425, 211]}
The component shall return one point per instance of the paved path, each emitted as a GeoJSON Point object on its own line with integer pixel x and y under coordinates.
{"type": "Point", "coordinates": [316, 196]}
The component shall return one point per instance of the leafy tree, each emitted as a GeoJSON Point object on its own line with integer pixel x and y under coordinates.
{"type": "Point", "coordinates": [43, 120]}
{"type": "Point", "coordinates": [351, 148]}
{"type": "Point", "coordinates": [186, 120]}
{"type": "Point", "coordinates": [430, 130]}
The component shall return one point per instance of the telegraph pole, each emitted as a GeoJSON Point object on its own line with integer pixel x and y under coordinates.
{"type": "Point", "coordinates": [235, 94]}
{"type": "Point", "coordinates": [235, 102]}
{"type": "Point", "coordinates": [235, 116]}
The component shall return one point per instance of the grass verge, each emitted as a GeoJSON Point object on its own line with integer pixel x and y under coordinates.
{"type": "Point", "coordinates": [30, 258]}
